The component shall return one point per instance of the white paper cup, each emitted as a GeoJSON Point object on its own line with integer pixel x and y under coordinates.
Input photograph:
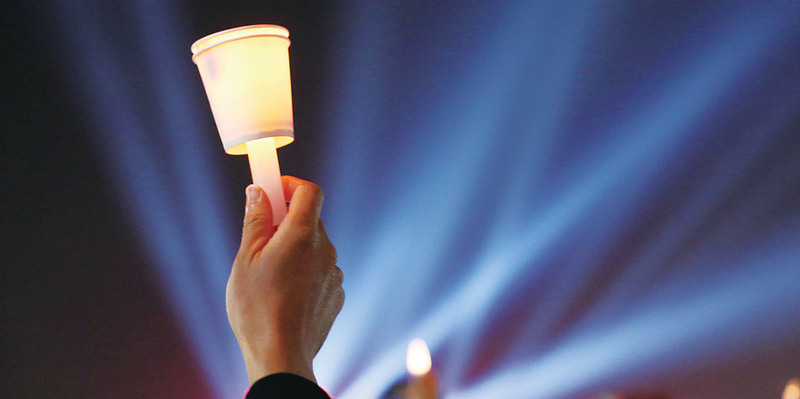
{"type": "Point", "coordinates": [245, 72]}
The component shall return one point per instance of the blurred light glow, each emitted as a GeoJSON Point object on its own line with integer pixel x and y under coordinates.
{"type": "Point", "coordinates": [792, 390]}
{"type": "Point", "coordinates": [418, 357]}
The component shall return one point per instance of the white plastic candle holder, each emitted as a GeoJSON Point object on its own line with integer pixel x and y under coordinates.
{"type": "Point", "coordinates": [245, 72]}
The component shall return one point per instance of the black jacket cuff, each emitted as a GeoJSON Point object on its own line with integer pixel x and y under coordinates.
{"type": "Point", "coordinates": [285, 386]}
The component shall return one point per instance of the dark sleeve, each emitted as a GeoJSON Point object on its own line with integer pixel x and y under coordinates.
{"type": "Point", "coordinates": [285, 386]}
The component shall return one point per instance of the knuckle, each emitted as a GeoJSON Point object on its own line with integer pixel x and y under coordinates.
{"type": "Point", "coordinates": [315, 190]}
{"type": "Point", "coordinates": [252, 222]}
{"type": "Point", "coordinates": [304, 236]}
{"type": "Point", "coordinates": [332, 250]}
{"type": "Point", "coordinates": [340, 297]}
{"type": "Point", "coordinates": [338, 274]}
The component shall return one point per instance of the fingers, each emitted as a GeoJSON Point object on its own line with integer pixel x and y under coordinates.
{"type": "Point", "coordinates": [305, 201]}
{"type": "Point", "coordinates": [290, 183]}
{"type": "Point", "coordinates": [257, 228]}
{"type": "Point", "coordinates": [305, 206]}
{"type": "Point", "coordinates": [304, 209]}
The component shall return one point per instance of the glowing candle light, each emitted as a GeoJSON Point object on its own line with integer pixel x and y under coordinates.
{"type": "Point", "coordinates": [418, 362]}
{"type": "Point", "coordinates": [792, 390]}
{"type": "Point", "coordinates": [245, 72]}
{"type": "Point", "coordinates": [418, 357]}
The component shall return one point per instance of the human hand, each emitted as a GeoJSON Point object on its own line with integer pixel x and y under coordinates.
{"type": "Point", "coordinates": [285, 290]}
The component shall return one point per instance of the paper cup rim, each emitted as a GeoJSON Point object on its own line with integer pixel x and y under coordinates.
{"type": "Point", "coordinates": [215, 39]}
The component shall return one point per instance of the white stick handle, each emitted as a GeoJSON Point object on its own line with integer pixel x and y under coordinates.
{"type": "Point", "coordinates": [267, 174]}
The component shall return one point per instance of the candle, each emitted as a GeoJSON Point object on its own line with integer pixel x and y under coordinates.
{"type": "Point", "coordinates": [422, 383]}
{"type": "Point", "coordinates": [792, 390]}
{"type": "Point", "coordinates": [267, 174]}
{"type": "Point", "coordinates": [245, 72]}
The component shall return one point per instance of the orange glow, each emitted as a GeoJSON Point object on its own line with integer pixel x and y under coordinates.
{"type": "Point", "coordinates": [418, 357]}
{"type": "Point", "coordinates": [792, 390]}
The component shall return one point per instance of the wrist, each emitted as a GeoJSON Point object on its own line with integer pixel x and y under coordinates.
{"type": "Point", "coordinates": [273, 362]}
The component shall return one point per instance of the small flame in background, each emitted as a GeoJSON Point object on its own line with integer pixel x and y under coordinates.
{"type": "Point", "coordinates": [418, 357]}
{"type": "Point", "coordinates": [792, 390]}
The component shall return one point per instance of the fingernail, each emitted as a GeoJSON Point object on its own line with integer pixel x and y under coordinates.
{"type": "Point", "coordinates": [253, 194]}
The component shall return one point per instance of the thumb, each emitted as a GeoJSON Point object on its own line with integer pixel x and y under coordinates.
{"type": "Point", "coordinates": [257, 228]}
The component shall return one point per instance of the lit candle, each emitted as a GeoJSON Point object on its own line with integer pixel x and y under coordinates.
{"type": "Point", "coordinates": [422, 384]}
{"type": "Point", "coordinates": [245, 72]}
{"type": "Point", "coordinates": [792, 390]}
{"type": "Point", "coordinates": [267, 174]}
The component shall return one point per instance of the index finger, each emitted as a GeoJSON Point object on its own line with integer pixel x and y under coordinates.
{"type": "Point", "coordinates": [305, 200]}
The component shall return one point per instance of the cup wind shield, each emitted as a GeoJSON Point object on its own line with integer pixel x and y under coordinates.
{"type": "Point", "coordinates": [245, 72]}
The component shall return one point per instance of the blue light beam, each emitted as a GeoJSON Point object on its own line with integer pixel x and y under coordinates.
{"type": "Point", "coordinates": [132, 64]}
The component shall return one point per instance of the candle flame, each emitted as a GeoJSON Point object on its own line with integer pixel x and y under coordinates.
{"type": "Point", "coordinates": [418, 357]}
{"type": "Point", "coordinates": [792, 390]}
